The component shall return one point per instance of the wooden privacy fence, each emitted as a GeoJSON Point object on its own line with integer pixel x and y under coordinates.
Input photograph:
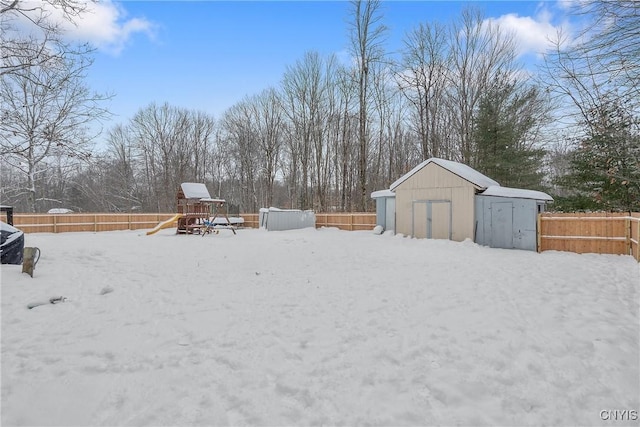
{"type": "Point", "coordinates": [347, 221]}
{"type": "Point", "coordinates": [251, 220]}
{"type": "Point", "coordinates": [602, 233]}
{"type": "Point", "coordinates": [62, 223]}
{"type": "Point", "coordinates": [605, 233]}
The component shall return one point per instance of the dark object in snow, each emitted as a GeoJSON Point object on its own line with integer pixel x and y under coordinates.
{"type": "Point", "coordinates": [11, 244]}
{"type": "Point", "coordinates": [53, 300]}
{"type": "Point", "coordinates": [106, 290]}
{"type": "Point", "coordinates": [31, 257]}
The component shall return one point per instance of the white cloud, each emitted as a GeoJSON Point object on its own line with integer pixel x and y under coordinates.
{"type": "Point", "coordinates": [566, 4]}
{"type": "Point", "coordinates": [571, 5]}
{"type": "Point", "coordinates": [533, 34]}
{"type": "Point", "coordinates": [106, 25]}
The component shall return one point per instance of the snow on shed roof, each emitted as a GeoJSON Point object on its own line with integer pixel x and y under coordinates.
{"type": "Point", "coordinates": [195, 190]}
{"type": "Point", "coordinates": [382, 193]}
{"type": "Point", "coordinates": [517, 193]}
{"type": "Point", "coordinates": [463, 171]}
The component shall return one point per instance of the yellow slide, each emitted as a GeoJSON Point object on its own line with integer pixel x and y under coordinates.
{"type": "Point", "coordinates": [164, 224]}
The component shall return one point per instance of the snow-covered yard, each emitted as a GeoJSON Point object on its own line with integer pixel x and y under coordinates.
{"type": "Point", "coordinates": [311, 327]}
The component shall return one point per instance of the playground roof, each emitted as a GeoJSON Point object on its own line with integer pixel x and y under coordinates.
{"type": "Point", "coordinates": [195, 190]}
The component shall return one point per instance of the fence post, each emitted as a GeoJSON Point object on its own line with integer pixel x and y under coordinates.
{"type": "Point", "coordinates": [638, 244]}
{"type": "Point", "coordinates": [539, 233]}
{"type": "Point", "coordinates": [627, 232]}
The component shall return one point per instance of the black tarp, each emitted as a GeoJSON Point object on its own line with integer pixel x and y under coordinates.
{"type": "Point", "coordinates": [11, 244]}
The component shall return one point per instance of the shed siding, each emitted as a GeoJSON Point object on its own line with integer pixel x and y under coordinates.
{"type": "Point", "coordinates": [386, 212]}
{"type": "Point", "coordinates": [381, 211]}
{"type": "Point", "coordinates": [278, 220]}
{"type": "Point", "coordinates": [434, 176]}
{"type": "Point", "coordinates": [521, 232]}
{"type": "Point", "coordinates": [436, 183]}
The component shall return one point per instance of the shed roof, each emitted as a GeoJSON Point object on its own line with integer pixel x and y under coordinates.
{"type": "Point", "coordinates": [463, 171]}
{"type": "Point", "coordinates": [382, 193]}
{"type": "Point", "coordinates": [516, 193]}
{"type": "Point", "coordinates": [195, 190]}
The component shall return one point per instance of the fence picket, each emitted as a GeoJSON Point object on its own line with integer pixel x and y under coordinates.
{"type": "Point", "coordinates": [605, 233]}
{"type": "Point", "coordinates": [60, 223]}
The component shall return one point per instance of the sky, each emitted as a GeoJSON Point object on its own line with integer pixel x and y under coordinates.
{"type": "Point", "coordinates": [209, 55]}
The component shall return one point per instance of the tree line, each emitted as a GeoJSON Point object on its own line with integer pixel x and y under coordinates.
{"type": "Point", "coordinates": [331, 133]}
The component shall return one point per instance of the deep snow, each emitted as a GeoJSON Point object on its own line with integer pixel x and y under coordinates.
{"type": "Point", "coordinates": [315, 327]}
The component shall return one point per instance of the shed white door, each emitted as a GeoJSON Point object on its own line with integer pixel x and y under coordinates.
{"type": "Point", "coordinates": [432, 219]}
{"type": "Point", "coordinates": [439, 219]}
{"type": "Point", "coordinates": [419, 225]}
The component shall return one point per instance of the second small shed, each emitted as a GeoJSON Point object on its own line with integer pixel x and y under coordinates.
{"type": "Point", "coordinates": [385, 209]}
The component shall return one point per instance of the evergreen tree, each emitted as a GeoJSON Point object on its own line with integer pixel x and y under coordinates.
{"type": "Point", "coordinates": [605, 168]}
{"type": "Point", "coordinates": [505, 124]}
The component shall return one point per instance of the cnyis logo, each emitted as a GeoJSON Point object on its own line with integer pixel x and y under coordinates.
{"type": "Point", "coordinates": [618, 415]}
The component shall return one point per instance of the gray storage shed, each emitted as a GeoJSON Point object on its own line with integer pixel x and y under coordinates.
{"type": "Point", "coordinates": [507, 217]}
{"type": "Point", "coordinates": [385, 209]}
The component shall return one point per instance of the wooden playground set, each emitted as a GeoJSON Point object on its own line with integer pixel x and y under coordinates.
{"type": "Point", "coordinates": [198, 213]}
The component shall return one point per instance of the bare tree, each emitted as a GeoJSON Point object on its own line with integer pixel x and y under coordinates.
{"type": "Point", "coordinates": [302, 94]}
{"type": "Point", "coordinates": [240, 140]}
{"type": "Point", "coordinates": [122, 175]}
{"type": "Point", "coordinates": [322, 132]}
{"type": "Point", "coordinates": [367, 36]}
{"type": "Point", "coordinates": [601, 63]}
{"type": "Point", "coordinates": [342, 130]}
{"type": "Point", "coordinates": [480, 50]}
{"type": "Point", "coordinates": [201, 134]}
{"type": "Point", "coordinates": [220, 167]}
{"type": "Point", "coordinates": [269, 119]}
{"type": "Point", "coordinates": [40, 12]}
{"type": "Point", "coordinates": [385, 104]}
{"type": "Point", "coordinates": [174, 144]}
{"type": "Point", "coordinates": [596, 79]}
{"type": "Point", "coordinates": [611, 42]}
{"type": "Point", "coordinates": [346, 126]}
{"type": "Point", "coordinates": [46, 107]}
{"type": "Point", "coordinates": [422, 78]}
{"type": "Point", "coordinates": [28, 27]}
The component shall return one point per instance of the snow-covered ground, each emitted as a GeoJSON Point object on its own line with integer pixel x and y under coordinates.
{"type": "Point", "coordinates": [311, 327]}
